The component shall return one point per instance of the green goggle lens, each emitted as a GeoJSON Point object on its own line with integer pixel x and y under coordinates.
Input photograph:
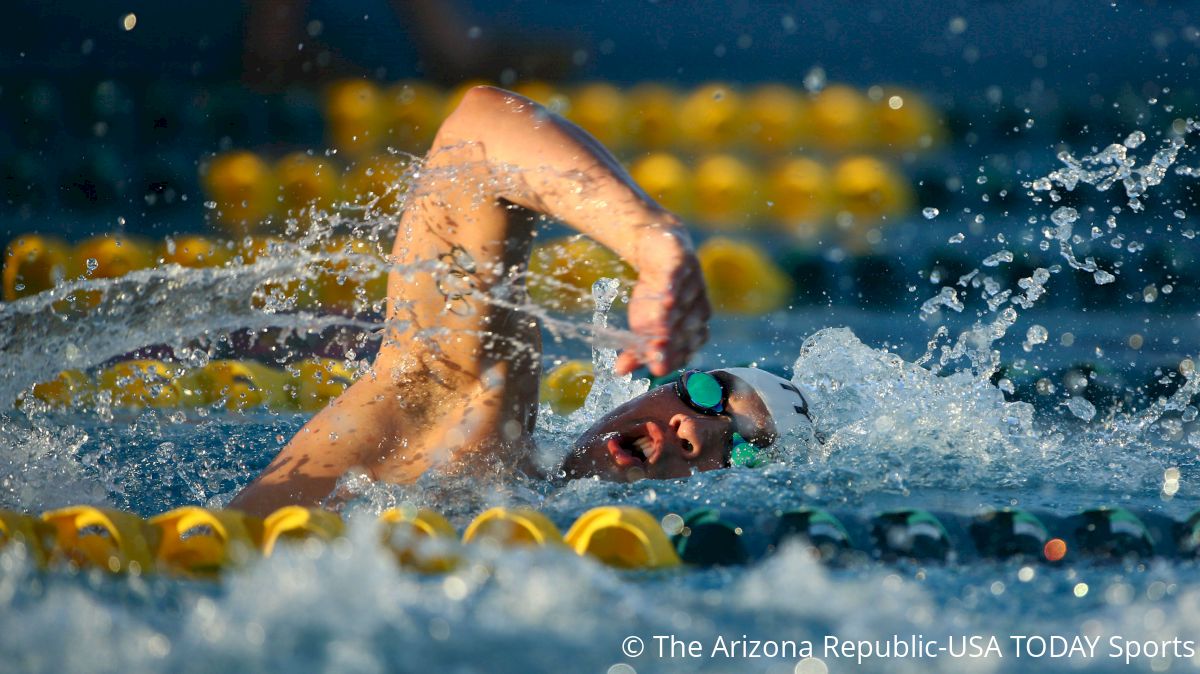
{"type": "Point", "coordinates": [704, 393]}
{"type": "Point", "coordinates": [704, 390]}
{"type": "Point", "coordinates": [744, 454]}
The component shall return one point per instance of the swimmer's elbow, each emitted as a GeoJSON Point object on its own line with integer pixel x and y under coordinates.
{"type": "Point", "coordinates": [484, 103]}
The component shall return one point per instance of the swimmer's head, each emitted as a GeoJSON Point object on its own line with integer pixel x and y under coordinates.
{"type": "Point", "coordinates": [659, 435]}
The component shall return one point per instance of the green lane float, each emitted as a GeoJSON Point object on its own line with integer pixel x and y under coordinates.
{"type": "Point", "coordinates": [1113, 533]}
{"type": "Point", "coordinates": [1009, 533]}
{"type": "Point", "coordinates": [814, 527]}
{"type": "Point", "coordinates": [910, 534]}
{"type": "Point", "coordinates": [622, 537]}
{"type": "Point", "coordinates": [707, 540]}
{"type": "Point", "coordinates": [1188, 536]}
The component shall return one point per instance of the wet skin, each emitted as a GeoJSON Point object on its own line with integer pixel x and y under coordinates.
{"type": "Point", "coordinates": [658, 436]}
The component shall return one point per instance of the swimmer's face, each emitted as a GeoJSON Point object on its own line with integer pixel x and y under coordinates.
{"type": "Point", "coordinates": [658, 436]}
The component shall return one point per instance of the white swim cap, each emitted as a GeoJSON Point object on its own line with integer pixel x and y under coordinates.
{"type": "Point", "coordinates": [785, 402]}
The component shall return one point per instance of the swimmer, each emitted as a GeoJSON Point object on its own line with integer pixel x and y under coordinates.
{"type": "Point", "coordinates": [455, 382]}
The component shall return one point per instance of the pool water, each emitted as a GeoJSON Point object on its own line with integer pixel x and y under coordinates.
{"type": "Point", "coordinates": [940, 435]}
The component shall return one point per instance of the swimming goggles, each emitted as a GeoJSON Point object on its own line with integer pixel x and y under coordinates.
{"type": "Point", "coordinates": [704, 393]}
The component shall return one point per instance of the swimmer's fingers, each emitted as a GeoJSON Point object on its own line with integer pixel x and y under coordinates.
{"type": "Point", "coordinates": [671, 315]}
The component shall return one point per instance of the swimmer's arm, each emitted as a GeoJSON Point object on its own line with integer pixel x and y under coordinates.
{"type": "Point", "coordinates": [561, 171]}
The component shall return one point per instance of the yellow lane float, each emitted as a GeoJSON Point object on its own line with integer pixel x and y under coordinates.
{"type": "Point", "coordinates": [776, 118]}
{"type": "Point", "coordinates": [870, 189]}
{"type": "Point", "coordinates": [237, 384]}
{"type": "Point", "coordinates": [542, 92]}
{"type": "Point", "coordinates": [513, 526]}
{"type": "Point", "coordinates": [741, 278]}
{"type": "Point", "coordinates": [105, 256]}
{"type": "Point", "coordinates": [650, 116]}
{"type": "Point", "coordinates": [711, 117]}
{"type": "Point", "coordinates": [420, 538]}
{"type": "Point", "coordinates": [194, 251]}
{"type": "Point", "coordinates": [339, 287]}
{"type": "Point", "coordinates": [624, 537]}
{"type": "Point", "coordinates": [378, 184]}
{"type": "Point", "coordinates": [600, 109]}
{"type": "Point", "coordinates": [905, 121]}
{"type": "Point", "coordinates": [666, 179]}
{"type": "Point", "coordinates": [307, 183]}
{"type": "Point", "coordinates": [33, 263]}
{"type": "Point", "coordinates": [110, 256]}
{"type": "Point", "coordinates": [566, 386]}
{"type": "Point", "coordinates": [413, 112]}
{"type": "Point", "coordinates": [202, 542]}
{"type": "Point", "coordinates": [140, 383]}
{"type": "Point", "coordinates": [21, 529]}
{"type": "Point", "coordinates": [67, 389]}
{"type": "Point", "coordinates": [294, 523]}
{"type": "Point", "coordinates": [318, 381]}
{"type": "Point", "coordinates": [103, 538]}
{"type": "Point", "coordinates": [561, 272]}
{"type": "Point", "coordinates": [798, 195]}
{"type": "Point", "coordinates": [355, 116]}
{"type": "Point", "coordinates": [841, 118]}
{"type": "Point", "coordinates": [242, 187]}
{"type": "Point", "coordinates": [726, 194]}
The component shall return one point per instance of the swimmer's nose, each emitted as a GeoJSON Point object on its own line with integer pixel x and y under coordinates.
{"type": "Point", "coordinates": [696, 434]}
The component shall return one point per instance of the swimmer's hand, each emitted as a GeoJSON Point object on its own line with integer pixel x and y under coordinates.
{"type": "Point", "coordinates": [668, 310]}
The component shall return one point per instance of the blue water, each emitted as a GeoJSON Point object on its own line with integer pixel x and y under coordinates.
{"type": "Point", "coordinates": [345, 607]}
{"type": "Point", "coordinates": [940, 436]}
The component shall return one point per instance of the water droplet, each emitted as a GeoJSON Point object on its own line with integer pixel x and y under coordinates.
{"type": "Point", "coordinates": [1081, 408]}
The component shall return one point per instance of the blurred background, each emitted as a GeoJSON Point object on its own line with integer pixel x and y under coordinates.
{"type": "Point", "coordinates": [838, 162]}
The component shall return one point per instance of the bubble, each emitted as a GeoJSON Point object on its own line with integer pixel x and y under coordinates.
{"type": "Point", "coordinates": [811, 665]}
{"type": "Point", "coordinates": [672, 524]}
{"type": "Point", "coordinates": [1081, 408]}
{"type": "Point", "coordinates": [930, 212]}
{"type": "Point", "coordinates": [814, 81]}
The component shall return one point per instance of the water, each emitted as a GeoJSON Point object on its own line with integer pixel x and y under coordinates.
{"type": "Point", "coordinates": [931, 431]}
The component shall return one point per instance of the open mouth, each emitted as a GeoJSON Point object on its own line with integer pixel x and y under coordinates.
{"type": "Point", "coordinates": [637, 447]}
